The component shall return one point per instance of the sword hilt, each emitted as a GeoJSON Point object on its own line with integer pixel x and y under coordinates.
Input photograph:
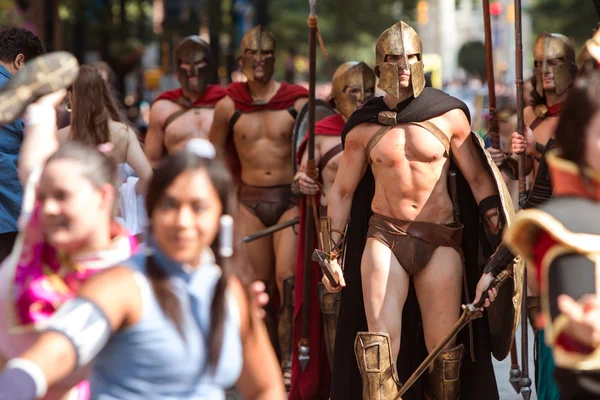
{"type": "Point", "coordinates": [496, 284]}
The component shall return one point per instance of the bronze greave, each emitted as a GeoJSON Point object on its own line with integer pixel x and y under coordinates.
{"type": "Point", "coordinates": [270, 317]}
{"type": "Point", "coordinates": [330, 307]}
{"type": "Point", "coordinates": [443, 382]}
{"type": "Point", "coordinates": [285, 325]}
{"type": "Point", "coordinates": [378, 373]}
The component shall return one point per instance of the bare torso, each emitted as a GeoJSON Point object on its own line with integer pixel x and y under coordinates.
{"type": "Point", "coordinates": [543, 132]}
{"type": "Point", "coordinates": [194, 123]}
{"type": "Point", "coordinates": [324, 143]}
{"type": "Point", "coordinates": [410, 172]}
{"type": "Point", "coordinates": [263, 143]}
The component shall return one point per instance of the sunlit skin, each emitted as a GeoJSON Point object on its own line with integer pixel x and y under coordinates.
{"type": "Point", "coordinates": [186, 218]}
{"type": "Point", "coordinates": [75, 215]}
{"type": "Point", "coordinates": [410, 173]}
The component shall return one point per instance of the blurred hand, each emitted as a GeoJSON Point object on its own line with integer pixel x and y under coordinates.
{"type": "Point", "coordinates": [525, 143]}
{"type": "Point", "coordinates": [259, 297]}
{"type": "Point", "coordinates": [497, 156]}
{"type": "Point", "coordinates": [584, 318]}
{"type": "Point", "coordinates": [52, 99]}
{"type": "Point", "coordinates": [484, 283]}
{"type": "Point", "coordinates": [307, 185]}
{"type": "Point", "coordinates": [339, 274]}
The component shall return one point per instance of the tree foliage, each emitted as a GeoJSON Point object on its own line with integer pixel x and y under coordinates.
{"type": "Point", "coordinates": [349, 29]}
{"type": "Point", "coordinates": [573, 18]}
{"type": "Point", "coordinates": [471, 58]}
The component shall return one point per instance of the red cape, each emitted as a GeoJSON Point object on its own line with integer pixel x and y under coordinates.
{"type": "Point", "coordinates": [315, 381]}
{"type": "Point", "coordinates": [285, 97]}
{"type": "Point", "coordinates": [210, 97]}
{"type": "Point", "coordinates": [330, 126]}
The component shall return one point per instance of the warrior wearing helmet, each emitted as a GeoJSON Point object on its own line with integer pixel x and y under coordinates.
{"type": "Point", "coordinates": [555, 70]}
{"type": "Point", "coordinates": [253, 124]}
{"type": "Point", "coordinates": [353, 85]}
{"type": "Point", "coordinates": [407, 155]}
{"type": "Point", "coordinates": [185, 113]}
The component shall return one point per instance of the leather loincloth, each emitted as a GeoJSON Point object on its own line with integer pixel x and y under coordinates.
{"type": "Point", "coordinates": [268, 203]}
{"type": "Point", "coordinates": [413, 242]}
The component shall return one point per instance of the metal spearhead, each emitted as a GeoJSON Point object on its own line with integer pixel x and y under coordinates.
{"type": "Point", "coordinates": [526, 388]}
{"type": "Point", "coordinates": [324, 262]}
{"type": "Point", "coordinates": [515, 379]}
{"type": "Point", "coordinates": [303, 355]}
{"type": "Point", "coordinates": [312, 4]}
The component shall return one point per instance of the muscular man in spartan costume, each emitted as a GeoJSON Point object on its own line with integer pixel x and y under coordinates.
{"type": "Point", "coordinates": [253, 124]}
{"type": "Point", "coordinates": [393, 184]}
{"type": "Point", "coordinates": [555, 70]}
{"type": "Point", "coordinates": [185, 113]}
{"type": "Point", "coordinates": [352, 85]}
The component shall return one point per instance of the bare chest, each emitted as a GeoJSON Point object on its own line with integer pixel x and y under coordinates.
{"type": "Point", "coordinates": [272, 125]}
{"type": "Point", "coordinates": [194, 123]}
{"type": "Point", "coordinates": [406, 143]}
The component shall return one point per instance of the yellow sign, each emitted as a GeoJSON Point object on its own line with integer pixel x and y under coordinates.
{"type": "Point", "coordinates": [433, 65]}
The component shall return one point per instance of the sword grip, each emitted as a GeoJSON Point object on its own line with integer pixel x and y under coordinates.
{"type": "Point", "coordinates": [497, 283]}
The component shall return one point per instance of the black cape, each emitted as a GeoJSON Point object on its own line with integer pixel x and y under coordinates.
{"type": "Point", "coordinates": [477, 379]}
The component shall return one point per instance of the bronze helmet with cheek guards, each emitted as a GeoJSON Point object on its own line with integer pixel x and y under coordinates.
{"type": "Point", "coordinates": [399, 40]}
{"type": "Point", "coordinates": [550, 46]}
{"type": "Point", "coordinates": [191, 51]}
{"type": "Point", "coordinates": [353, 74]}
{"type": "Point", "coordinates": [258, 40]}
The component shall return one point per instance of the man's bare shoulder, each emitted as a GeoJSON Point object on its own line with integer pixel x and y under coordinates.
{"type": "Point", "coordinates": [225, 106]}
{"type": "Point", "coordinates": [455, 121]}
{"type": "Point", "coordinates": [361, 134]}
{"type": "Point", "coordinates": [161, 109]}
{"type": "Point", "coordinates": [529, 114]}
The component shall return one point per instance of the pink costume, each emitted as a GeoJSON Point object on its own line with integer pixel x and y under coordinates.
{"type": "Point", "coordinates": [35, 280]}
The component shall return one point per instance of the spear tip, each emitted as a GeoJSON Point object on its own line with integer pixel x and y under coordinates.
{"type": "Point", "coordinates": [313, 7]}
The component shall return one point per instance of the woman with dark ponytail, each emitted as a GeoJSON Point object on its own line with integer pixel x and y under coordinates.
{"type": "Point", "coordinates": [174, 322]}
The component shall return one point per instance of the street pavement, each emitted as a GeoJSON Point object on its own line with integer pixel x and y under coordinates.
{"type": "Point", "coordinates": [502, 369]}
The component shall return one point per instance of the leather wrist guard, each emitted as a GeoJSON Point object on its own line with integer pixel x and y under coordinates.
{"type": "Point", "coordinates": [540, 148]}
{"type": "Point", "coordinates": [499, 261]}
{"type": "Point", "coordinates": [329, 246]}
{"type": "Point", "coordinates": [510, 167]}
{"type": "Point", "coordinates": [492, 230]}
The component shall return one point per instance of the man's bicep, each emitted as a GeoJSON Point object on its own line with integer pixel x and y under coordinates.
{"type": "Point", "coordinates": [220, 124]}
{"type": "Point", "coordinates": [352, 165]}
{"type": "Point", "coordinates": [153, 143]}
{"type": "Point", "coordinates": [467, 159]}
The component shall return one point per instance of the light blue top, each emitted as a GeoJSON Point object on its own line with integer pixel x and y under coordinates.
{"type": "Point", "coordinates": [150, 360]}
{"type": "Point", "coordinates": [11, 192]}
